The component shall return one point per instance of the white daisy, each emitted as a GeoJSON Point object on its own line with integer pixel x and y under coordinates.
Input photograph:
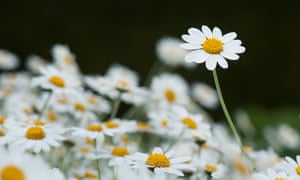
{"type": "Point", "coordinates": [292, 167]}
{"type": "Point", "coordinates": [169, 89]}
{"type": "Point", "coordinates": [34, 63]}
{"type": "Point", "coordinates": [36, 136]}
{"type": "Point", "coordinates": [272, 175]}
{"type": "Point", "coordinates": [59, 82]}
{"type": "Point", "coordinates": [169, 51]}
{"type": "Point", "coordinates": [21, 166]}
{"type": "Point", "coordinates": [8, 60]}
{"type": "Point", "coordinates": [211, 47]}
{"type": "Point", "coordinates": [161, 162]}
{"type": "Point", "coordinates": [205, 95]}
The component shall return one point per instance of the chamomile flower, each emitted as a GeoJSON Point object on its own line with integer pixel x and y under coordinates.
{"type": "Point", "coordinates": [8, 60]}
{"type": "Point", "coordinates": [272, 175]}
{"type": "Point", "coordinates": [292, 167]}
{"type": "Point", "coordinates": [36, 136]}
{"type": "Point", "coordinates": [34, 63]}
{"type": "Point", "coordinates": [161, 162]}
{"type": "Point", "coordinates": [58, 81]}
{"type": "Point", "coordinates": [205, 95]}
{"type": "Point", "coordinates": [169, 52]}
{"type": "Point", "coordinates": [64, 58]}
{"type": "Point", "coordinates": [211, 47]}
{"type": "Point", "coordinates": [22, 166]}
{"type": "Point", "coordinates": [169, 89]}
{"type": "Point", "coordinates": [193, 125]}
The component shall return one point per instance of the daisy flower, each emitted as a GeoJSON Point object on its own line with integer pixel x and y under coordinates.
{"type": "Point", "coordinates": [292, 166]}
{"type": "Point", "coordinates": [64, 58]}
{"type": "Point", "coordinates": [205, 95]}
{"type": "Point", "coordinates": [8, 60]}
{"type": "Point", "coordinates": [22, 166]}
{"type": "Point", "coordinates": [36, 136]}
{"type": "Point", "coordinates": [169, 89]}
{"type": "Point", "coordinates": [161, 162]}
{"type": "Point", "coordinates": [169, 52]}
{"type": "Point", "coordinates": [59, 82]}
{"type": "Point", "coordinates": [272, 175]}
{"type": "Point", "coordinates": [211, 47]}
{"type": "Point", "coordinates": [34, 63]}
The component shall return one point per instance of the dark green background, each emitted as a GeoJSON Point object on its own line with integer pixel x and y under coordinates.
{"type": "Point", "coordinates": [107, 31]}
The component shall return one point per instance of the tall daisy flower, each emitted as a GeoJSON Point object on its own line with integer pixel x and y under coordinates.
{"type": "Point", "coordinates": [161, 162]}
{"type": "Point", "coordinates": [211, 47]}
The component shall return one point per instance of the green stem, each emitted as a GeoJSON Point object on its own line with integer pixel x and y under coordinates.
{"type": "Point", "coordinates": [223, 105]}
{"type": "Point", "coordinates": [116, 105]}
{"type": "Point", "coordinates": [97, 162]}
{"type": "Point", "coordinates": [45, 105]}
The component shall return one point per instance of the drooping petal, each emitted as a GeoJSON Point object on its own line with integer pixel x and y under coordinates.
{"type": "Point", "coordinates": [211, 63]}
{"type": "Point", "coordinates": [230, 55]}
{"type": "Point", "coordinates": [229, 37]}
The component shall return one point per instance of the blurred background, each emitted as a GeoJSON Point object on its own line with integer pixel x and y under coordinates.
{"type": "Point", "coordinates": [107, 31]}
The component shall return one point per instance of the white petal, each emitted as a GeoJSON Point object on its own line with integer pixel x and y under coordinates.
{"type": "Point", "coordinates": [217, 33]}
{"type": "Point", "coordinates": [157, 150]}
{"type": "Point", "coordinates": [229, 37]}
{"type": "Point", "coordinates": [202, 58]}
{"type": "Point", "coordinates": [196, 33]}
{"type": "Point", "coordinates": [191, 39]}
{"type": "Point", "coordinates": [230, 55]}
{"type": "Point", "coordinates": [206, 31]}
{"type": "Point", "coordinates": [233, 43]}
{"type": "Point", "coordinates": [211, 63]}
{"type": "Point", "coordinates": [190, 46]}
{"type": "Point", "coordinates": [180, 159]}
{"type": "Point", "coordinates": [235, 49]}
{"type": "Point", "coordinates": [222, 62]}
{"type": "Point", "coordinates": [194, 55]}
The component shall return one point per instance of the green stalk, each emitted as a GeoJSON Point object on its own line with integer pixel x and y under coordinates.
{"type": "Point", "coordinates": [97, 162]}
{"type": "Point", "coordinates": [45, 105]}
{"type": "Point", "coordinates": [223, 105]}
{"type": "Point", "coordinates": [116, 105]}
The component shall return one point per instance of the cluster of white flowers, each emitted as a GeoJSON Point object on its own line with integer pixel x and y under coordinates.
{"type": "Point", "coordinates": [57, 123]}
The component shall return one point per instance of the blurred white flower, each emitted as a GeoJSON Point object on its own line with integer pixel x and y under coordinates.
{"type": "Point", "coordinates": [211, 47]}
{"type": "Point", "coordinates": [34, 63]}
{"type": "Point", "coordinates": [8, 60]}
{"type": "Point", "coordinates": [205, 95]}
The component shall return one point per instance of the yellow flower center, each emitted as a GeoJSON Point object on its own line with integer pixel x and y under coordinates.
{"type": "Point", "coordinates": [63, 100]}
{"type": "Point", "coordinates": [84, 150]}
{"type": "Point", "coordinates": [92, 100]}
{"type": "Point", "coordinates": [11, 172]}
{"type": "Point", "coordinates": [143, 125]}
{"type": "Point", "coordinates": [170, 95]}
{"type": "Point", "coordinates": [27, 111]}
{"type": "Point", "coordinates": [280, 178]}
{"type": "Point", "coordinates": [212, 46]}
{"type": "Point", "coordinates": [204, 146]}
{"type": "Point", "coordinates": [246, 149]}
{"type": "Point", "coordinates": [94, 127]}
{"type": "Point", "coordinates": [57, 81]}
{"type": "Point", "coordinates": [51, 116]}
{"type": "Point", "coordinates": [111, 125]}
{"type": "Point", "coordinates": [298, 170]}
{"type": "Point", "coordinates": [91, 175]}
{"type": "Point", "coordinates": [35, 133]}
{"type": "Point", "coordinates": [164, 123]}
{"type": "Point", "coordinates": [124, 139]}
{"type": "Point", "coordinates": [2, 133]}
{"type": "Point", "coordinates": [120, 151]}
{"type": "Point", "coordinates": [2, 120]}
{"type": "Point", "coordinates": [68, 59]}
{"type": "Point", "coordinates": [158, 160]}
{"type": "Point", "coordinates": [90, 141]}
{"type": "Point", "coordinates": [39, 123]}
{"type": "Point", "coordinates": [189, 122]}
{"type": "Point", "coordinates": [210, 168]}
{"type": "Point", "coordinates": [123, 83]}
{"type": "Point", "coordinates": [241, 167]}
{"type": "Point", "coordinates": [79, 107]}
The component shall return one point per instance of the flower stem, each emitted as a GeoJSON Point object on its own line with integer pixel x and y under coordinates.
{"type": "Point", "coordinates": [116, 105]}
{"type": "Point", "coordinates": [97, 162]}
{"type": "Point", "coordinates": [227, 115]}
{"type": "Point", "coordinates": [45, 105]}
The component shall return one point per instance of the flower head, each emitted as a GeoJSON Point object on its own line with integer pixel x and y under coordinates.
{"type": "Point", "coordinates": [211, 47]}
